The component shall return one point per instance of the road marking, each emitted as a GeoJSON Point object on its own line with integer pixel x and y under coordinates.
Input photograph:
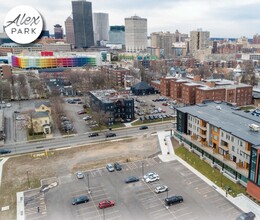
{"type": "Point", "coordinates": [184, 214]}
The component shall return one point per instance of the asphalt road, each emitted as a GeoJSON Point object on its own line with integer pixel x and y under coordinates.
{"type": "Point", "coordinates": [74, 140]}
{"type": "Point", "coordinates": [135, 200]}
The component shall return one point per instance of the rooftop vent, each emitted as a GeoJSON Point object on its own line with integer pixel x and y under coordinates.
{"type": "Point", "coordinates": [218, 107]}
{"type": "Point", "coordinates": [254, 127]}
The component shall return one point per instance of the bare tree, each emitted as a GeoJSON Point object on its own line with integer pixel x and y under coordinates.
{"type": "Point", "coordinates": [102, 118]}
{"type": "Point", "coordinates": [5, 90]}
{"type": "Point", "coordinates": [21, 79]}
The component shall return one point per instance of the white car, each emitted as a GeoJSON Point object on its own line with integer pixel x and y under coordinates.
{"type": "Point", "coordinates": [110, 167]}
{"type": "Point", "coordinates": [20, 118]}
{"type": "Point", "coordinates": [8, 105]}
{"type": "Point", "coordinates": [150, 175]}
{"type": "Point", "coordinates": [80, 175]}
{"type": "Point", "coordinates": [161, 188]}
{"type": "Point", "coordinates": [152, 179]}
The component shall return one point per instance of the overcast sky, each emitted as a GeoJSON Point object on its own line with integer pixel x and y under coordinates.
{"type": "Point", "coordinates": [223, 18]}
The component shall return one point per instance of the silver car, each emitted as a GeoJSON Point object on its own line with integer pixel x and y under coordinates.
{"type": "Point", "coordinates": [80, 175]}
{"type": "Point", "coordinates": [110, 167]}
{"type": "Point", "coordinates": [151, 174]}
{"type": "Point", "coordinates": [161, 188]}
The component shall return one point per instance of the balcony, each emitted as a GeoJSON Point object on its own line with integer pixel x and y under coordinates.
{"type": "Point", "coordinates": [203, 128]}
{"type": "Point", "coordinates": [224, 147]}
{"type": "Point", "coordinates": [223, 158]}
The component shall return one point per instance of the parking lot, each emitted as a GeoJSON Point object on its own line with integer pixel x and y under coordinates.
{"type": "Point", "coordinates": [136, 200]}
{"type": "Point", "coordinates": [153, 107]}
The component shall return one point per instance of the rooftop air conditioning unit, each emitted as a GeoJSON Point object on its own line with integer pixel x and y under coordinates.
{"type": "Point", "coordinates": [254, 127]}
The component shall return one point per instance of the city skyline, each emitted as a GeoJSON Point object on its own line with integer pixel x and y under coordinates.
{"type": "Point", "coordinates": [221, 18]}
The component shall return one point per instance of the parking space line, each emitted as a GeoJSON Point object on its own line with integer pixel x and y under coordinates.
{"type": "Point", "coordinates": [145, 192]}
{"type": "Point", "coordinates": [153, 212]}
{"type": "Point", "coordinates": [184, 214]}
{"type": "Point", "coordinates": [164, 214]}
{"type": "Point", "coordinates": [84, 213]}
{"type": "Point", "coordinates": [146, 199]}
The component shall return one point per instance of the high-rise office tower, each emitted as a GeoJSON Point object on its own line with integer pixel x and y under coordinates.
{"type": "Point", "coordinates": [117, 35]}
{"type": "Point", "coordinates": [135, 34]}
{"type": "Point", "coordinates": [101, 27]}
{"type": "Point", "coordinates": [58, 31]}
{"type": "Point", "coordinates": [69, 28]}
{"type": "Point", "coordinates": [199, 40]}
{"type": "Point", "coordinates": [256, 39]}
{"type": "Point", "coordinates": [83, 24]}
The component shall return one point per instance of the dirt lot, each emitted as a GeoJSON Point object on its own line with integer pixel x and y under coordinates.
{"type": "Point", "coordinates": [18, 169]}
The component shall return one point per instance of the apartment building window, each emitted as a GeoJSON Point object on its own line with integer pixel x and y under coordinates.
{"type": "Point", "coordinates": [215, 137]}
{"type": "Point", "coordinates": [227, 136]}
{"type": "Point", "coordinates": [253, 165]}
{"type": "Point", "coordinates": [222, 134]}
{"type": "Point", "coordinates": [233, 148]}
{"type": "Point", "coordinates": [232, 139]}
{"type": "Point", "coordinates": [215, 129]}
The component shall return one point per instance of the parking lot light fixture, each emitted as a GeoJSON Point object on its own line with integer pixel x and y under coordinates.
{"type": "Point", "coordinates": [142, 169]}
{"type": "Point", "coordinates": [88, 183]}
{"type": "Point", "coordinates": [28, 180]}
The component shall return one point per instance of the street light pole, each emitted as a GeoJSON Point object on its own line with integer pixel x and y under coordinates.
{"type": "Point", "coordinates": [167, 193]}
{"type": "Point", "coordinates": [28, 179]}
{"type": "Point", "coordinates": [142, 169]}
{"type": "Point", "coordinates": [88, 184]}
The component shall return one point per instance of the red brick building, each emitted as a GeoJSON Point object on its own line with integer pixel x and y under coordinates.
{"type": "Point", "coordinates": [194, 91]}
{"type": "Point", "coordinates": [117, 75]}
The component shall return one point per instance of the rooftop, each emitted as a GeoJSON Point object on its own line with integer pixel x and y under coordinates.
{"type": "Point", "coordinates": [109, 95]}
{"type": "Point", "coordinates": [226, 117]}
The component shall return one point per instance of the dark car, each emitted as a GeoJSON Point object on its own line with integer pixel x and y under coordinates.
{"type": "Point", "coordinates": [117, 166]}
{"type": "Point", "coordinates": [131, 179]}
{"type": "Point", "coordinates": [110, 135]}
{"type": "Point", "coordinates": [246, 216]}
{"type": "Point", "coordinates": [79, 200]}
{"type": "Point", "coordinates": [5, 151]}
{"type": "Point", "coordinates": [143, 127]}
{"type": "Point", "coordinates": [173, 200]}
{"type": "Point", "coordinates": [95, 134]}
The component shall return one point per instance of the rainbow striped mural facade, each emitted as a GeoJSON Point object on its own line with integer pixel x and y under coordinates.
{"type": "Point", "coordinates": [31, 62]}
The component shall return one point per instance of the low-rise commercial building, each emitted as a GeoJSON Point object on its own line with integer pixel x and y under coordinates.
{"type": "Point", "coordinates": [226, 137]}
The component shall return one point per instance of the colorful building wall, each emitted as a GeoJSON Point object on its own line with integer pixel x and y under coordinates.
{"type": "Point", "coordinates": [52, 61]}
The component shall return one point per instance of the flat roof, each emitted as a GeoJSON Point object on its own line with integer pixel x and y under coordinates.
{"type": "Point", "coordinates": [226, 117]}
{"type": "Point", "coordinates": [109, 95]}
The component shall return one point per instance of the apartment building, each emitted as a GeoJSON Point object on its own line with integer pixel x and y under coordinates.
{"type": "Point", "coordinates": [119, 104]}
{"type": "Point", "coordinates": [116, 74]}
{"type": "Point", "coordinates": [225, 137]}
{"type": "Point", "coordinates": [193, 91]}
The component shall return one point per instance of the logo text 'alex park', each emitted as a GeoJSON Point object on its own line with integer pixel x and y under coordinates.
{"type": "Point", "coordinates": [23, 24]}
{"type": "Point", "coordinates": [22, 20]}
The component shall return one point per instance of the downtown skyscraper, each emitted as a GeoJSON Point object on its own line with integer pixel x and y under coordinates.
{"type": "Point", "coordinates": [83, 24]}
{"type": "Point", "coordinates": [101, 27]}
{"type": "Point", "coordinates": [135, 34]}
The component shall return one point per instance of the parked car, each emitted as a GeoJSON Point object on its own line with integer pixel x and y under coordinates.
{"type": "Point", "coordinates": [150, 174]}
{"type": "Point", "coordinates": [80, 175]}
{"type": "Point", "coordinates": [110, 135]}
{"type": "Point", "coordinates": [117, 166]}
{"type": "Point", "coordinates": [20, 118]}
{"type": "Point", "coordinates": [5, 151]}
{"type": "Point", "coordinates": [87, 118]}
{"type": "Point", "coordinates": [131, 179]}
{"type": "Point", "coordinates": [79, 200]}
{"type": "Point", "coordinates": [95, 134]}
{"type": "Point", "coordinates": [8, 105]}
{"type": "Point", "coordinates": [106, 203]}
{"type": "Point", "coordinates": [80, 102]}
{"type": "Point", "coordinates": [161, 188]}
{"type": "Point", "coordinates": [143, 127]}
{"type": "Point", "coordinates": [110, 167]}
{"type": "Point", "coordinates": [151, 179]}
{"type": "Point", "coordinates": [246, 216]}
{"type": "Point", "coordinates": [173, 200]}
{"type": "Point", "coordinates": [81, 112]}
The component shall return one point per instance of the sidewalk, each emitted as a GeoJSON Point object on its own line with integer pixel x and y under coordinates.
{"type": "Point", "coordinates": [241, 201]}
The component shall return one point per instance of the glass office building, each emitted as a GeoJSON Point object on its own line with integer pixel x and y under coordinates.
{"type": "Point", "coordinates": [83, 24]}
